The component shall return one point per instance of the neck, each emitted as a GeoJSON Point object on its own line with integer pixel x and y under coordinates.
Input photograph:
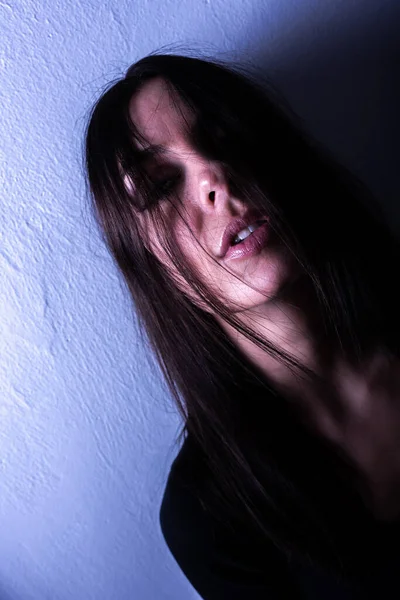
{"type": "Point", "coordinates": [293, 323]}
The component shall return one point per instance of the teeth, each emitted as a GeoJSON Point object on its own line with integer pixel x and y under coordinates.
{"type": "Point", "coordinates": [244, 233]}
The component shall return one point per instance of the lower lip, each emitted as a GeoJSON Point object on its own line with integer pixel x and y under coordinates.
{"type": "Point", "coordinates": [251, 246]}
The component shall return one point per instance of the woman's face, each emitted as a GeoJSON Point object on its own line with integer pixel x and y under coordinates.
{"type": "Point", "coordinates": [207, 206]}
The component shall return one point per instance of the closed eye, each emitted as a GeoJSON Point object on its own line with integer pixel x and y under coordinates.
{"type": "Point", "coordinates": [165, 186]}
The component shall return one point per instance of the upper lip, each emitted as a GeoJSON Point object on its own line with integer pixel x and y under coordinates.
{"type": "Point", "coordinates": [233, 228]}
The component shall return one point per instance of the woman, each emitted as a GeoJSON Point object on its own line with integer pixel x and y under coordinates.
{"type": "Point", "coordinates": [263, 276]}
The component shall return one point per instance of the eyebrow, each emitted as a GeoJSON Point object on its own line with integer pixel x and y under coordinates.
{"type": "Point", "coordinates": [150, 150]}
{"type": "Point", "coordinates": [153, 151]}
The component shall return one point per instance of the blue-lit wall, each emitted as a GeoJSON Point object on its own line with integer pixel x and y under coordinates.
{"type": "Point", "coordinates": [86, 423]}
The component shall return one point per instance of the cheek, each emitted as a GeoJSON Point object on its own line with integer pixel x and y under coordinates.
{"type": "Point", "coordinates": [194, 256]}
{"type": "Point", "coordinates": [151, 238]}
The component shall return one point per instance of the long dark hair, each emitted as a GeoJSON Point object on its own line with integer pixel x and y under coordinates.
{"type": "Point", "coordinates": [258, 461]}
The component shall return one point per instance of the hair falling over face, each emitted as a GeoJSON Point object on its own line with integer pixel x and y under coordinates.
{"type": "Point", "coordinates": [331, 227]}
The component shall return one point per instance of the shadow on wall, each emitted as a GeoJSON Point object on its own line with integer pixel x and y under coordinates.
{"type": "Point", "coordinates": [344, 81]}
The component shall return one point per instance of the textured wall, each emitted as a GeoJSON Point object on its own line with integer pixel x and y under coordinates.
{"type": "Point", "coordinates": [86, 424]}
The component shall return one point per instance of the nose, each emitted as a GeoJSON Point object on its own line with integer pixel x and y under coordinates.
{"type": "Point", "coordinates": [214, 191]}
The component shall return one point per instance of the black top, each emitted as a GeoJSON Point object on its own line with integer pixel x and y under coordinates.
{"type": "Point", "coordinates": [226, 565]}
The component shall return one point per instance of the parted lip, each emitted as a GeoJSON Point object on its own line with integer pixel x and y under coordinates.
{"type": "Point", "coordinates": [234, 227]}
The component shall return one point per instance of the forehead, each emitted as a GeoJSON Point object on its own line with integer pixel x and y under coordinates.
{"type": "Point", "coordinates": [159, 114]}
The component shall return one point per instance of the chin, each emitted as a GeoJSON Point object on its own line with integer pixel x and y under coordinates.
{"type": "Point", "coordinates": [267, 278]}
